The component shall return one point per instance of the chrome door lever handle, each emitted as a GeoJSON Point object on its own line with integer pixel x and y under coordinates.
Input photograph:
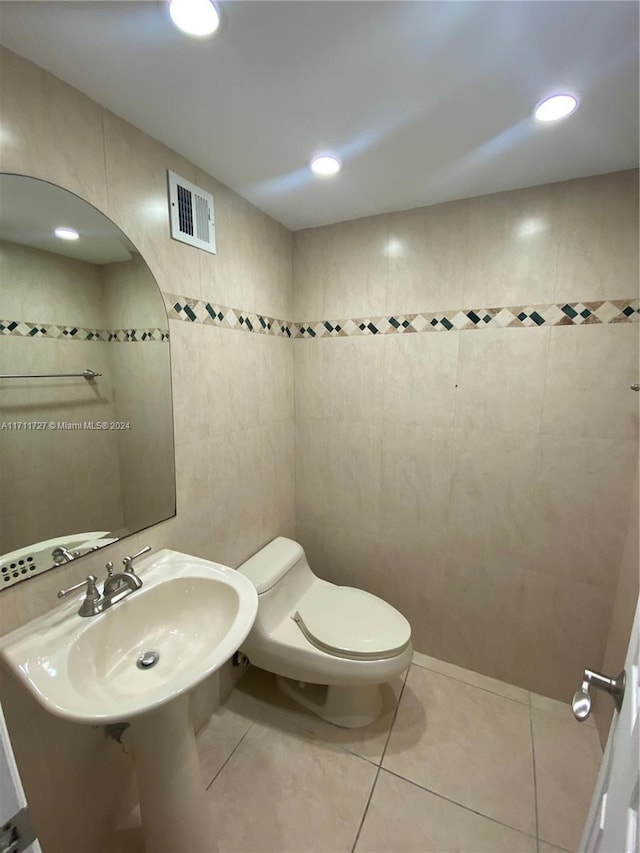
{"type": "Point", "coordinates": [581, 702]}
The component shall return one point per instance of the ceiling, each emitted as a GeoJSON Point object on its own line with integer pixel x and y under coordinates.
{"type": "Point", "coordinates": [423, 101]}
{"type": "Point", "coordinates": [31, 209]}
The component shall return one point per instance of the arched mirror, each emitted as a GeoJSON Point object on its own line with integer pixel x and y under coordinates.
{"type": "Point", "coordinates": [86, 425]}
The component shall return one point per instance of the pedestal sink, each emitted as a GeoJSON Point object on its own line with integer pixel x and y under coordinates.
{"type": "Point", "coordinates": [136, 663]}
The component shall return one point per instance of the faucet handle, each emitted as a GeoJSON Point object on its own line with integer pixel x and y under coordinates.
{"type": "Point", "coordinates": [128, 561]}
{"type": "Point", "coordinates": [89, 583]}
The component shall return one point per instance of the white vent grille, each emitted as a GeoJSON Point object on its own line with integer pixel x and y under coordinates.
{"type": "Point", "coordinates": [191, 214]}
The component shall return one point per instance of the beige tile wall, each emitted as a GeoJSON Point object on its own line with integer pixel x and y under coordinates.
{"type": "Point", "coordinates": [131, 297]}
{"type": "Point", "coordinates": [44, 287]}
{"type": "Point", "coordinates": [479, 480]}
{"type": "Point", "coordinates": [233, 392]}
{"type": "Point", "coordinates": [142, 382]}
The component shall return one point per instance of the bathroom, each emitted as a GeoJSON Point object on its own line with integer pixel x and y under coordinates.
{"type": "Point", "coordinates": [481, 478]}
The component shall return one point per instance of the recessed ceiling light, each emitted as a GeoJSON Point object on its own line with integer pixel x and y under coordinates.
{"type": "Point", "coordinates": [325, 165]}
{"type": "Point", "coordinates": [195, 17]}
{"type": "Point", "coordinates": [556, 107]}
{"type": "Point", "coordinates": [66, 233]}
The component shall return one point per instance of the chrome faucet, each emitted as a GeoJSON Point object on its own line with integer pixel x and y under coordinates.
{"type": "Point", "coordinates": [92, 598]}
{"type": "Point", "coordinates": [116, 587]}
{"type": "Point", "coordinates": [62, 555]}
{"type": "Point", "coordinates": [126, 579]}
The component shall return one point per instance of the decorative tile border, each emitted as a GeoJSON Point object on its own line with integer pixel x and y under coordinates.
{"type": "Point", "coordinates": [197, 311]}
{"type": "Point", "coordinates": [522, 316]}
{"type": "Point", "coordinates": [137, 335]}
{"type": "Point", "coordinates": [23, 329]}
{"type": "Point", "coordinates": [560, 314]}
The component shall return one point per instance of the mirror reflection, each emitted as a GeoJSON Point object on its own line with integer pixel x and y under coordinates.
{"type": "Point", "coordinates": [86, 428]}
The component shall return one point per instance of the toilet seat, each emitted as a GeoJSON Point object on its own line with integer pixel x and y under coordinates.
{"type": "Point", "coordinates": [351, 623]}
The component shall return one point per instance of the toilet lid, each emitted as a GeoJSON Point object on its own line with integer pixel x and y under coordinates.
{"type": "Point", "coordinates": [352, 623]}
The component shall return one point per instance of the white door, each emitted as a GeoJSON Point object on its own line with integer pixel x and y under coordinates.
{"type": "Point", "coordinates": [612, 824]}
{"type": "Point", "coordinates": [15, 831]}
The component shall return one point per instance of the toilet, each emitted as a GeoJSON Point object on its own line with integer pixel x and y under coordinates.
{"type": "Point", "coordinates": [331, 647]}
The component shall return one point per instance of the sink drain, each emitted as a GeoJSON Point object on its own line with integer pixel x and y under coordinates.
{"type": "Point", "coordinates": [148, 659]}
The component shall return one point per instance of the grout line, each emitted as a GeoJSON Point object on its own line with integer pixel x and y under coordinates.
{"type": "Point", "coordinates": [468, 684]}
{"type": "Point", "coordinates": [278, 715]}
{"type": "Point", "coordinates": [535, 780]}
{"type": "Point", "coordinates": [543, 395]}
{"type": "Point", "coordinates": [456, 803]}
{"type": "Point", "coordinates": [395, 715]}
{"type": "Point", "coordinates": [303, 723]}
{"type": "Point", "coordinates": [555, 846]}
{"type": "Point", "coordinates": [289, 716]}
{"type": "Point", "coordinates": [281, 714]}
{"type": "Point", "coordinates": [231, 754]}
{"type": "Point", "coordinates": [386, 743]}
{"type": "Point", "coordinates": [366, 809]}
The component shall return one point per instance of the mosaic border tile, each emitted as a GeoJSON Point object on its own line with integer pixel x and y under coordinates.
{"type": "Point", "coordinates": [24, 329]}
{"type": "Point", "coordinates": [521, 316]}
{"type": "Point", "coordinates": [199, 311]}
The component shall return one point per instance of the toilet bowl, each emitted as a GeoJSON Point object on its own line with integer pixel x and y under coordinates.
{"type": "Point", "coordinates": [332, 647]}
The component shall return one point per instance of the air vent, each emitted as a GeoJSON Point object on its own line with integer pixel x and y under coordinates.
{"type": "Point", "coordinates": [191, 214]}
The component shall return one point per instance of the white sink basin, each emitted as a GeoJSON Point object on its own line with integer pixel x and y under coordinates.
{"type": "Point", "coordinates": [192, 612]}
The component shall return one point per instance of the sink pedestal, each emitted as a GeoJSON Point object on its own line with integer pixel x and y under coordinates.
{"type": "Point", "coordinates": [173, 802]}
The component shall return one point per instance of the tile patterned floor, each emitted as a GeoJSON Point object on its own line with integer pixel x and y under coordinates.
{"type": "Point", "coordinates": [456, 762]}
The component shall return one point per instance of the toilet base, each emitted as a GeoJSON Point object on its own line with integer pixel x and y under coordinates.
{"type": "Point", "coordinates": [348, 706]}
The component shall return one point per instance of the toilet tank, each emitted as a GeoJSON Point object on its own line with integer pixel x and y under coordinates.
{"type": "Point", "coordinates": [281, 575]}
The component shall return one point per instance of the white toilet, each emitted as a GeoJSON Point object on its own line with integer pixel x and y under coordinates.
{"type": "Point", "coordinates": [332, 647]}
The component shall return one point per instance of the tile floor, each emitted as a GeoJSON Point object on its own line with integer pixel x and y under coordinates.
{"type": "Point", "coordinates": [457, 762]}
